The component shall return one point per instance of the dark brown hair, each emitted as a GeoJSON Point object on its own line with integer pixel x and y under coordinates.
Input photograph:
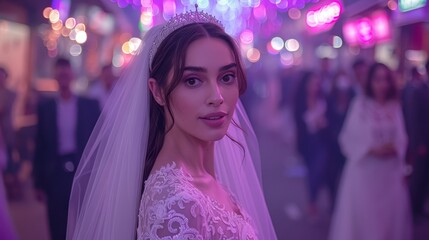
{"type": "Point", "coordinates": [4, 71]}
{"type": "Point", "coordinates": [391, 92]}
{"type": "Point", "coordinates": [170, 59]}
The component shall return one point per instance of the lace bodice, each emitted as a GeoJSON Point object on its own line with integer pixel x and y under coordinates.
{"type": "Point", "coordinates": [173, 208]}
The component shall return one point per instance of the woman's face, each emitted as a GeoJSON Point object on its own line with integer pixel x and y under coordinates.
{"type": "Point", "coordinates": [380, 84]}
{"type": "Point", "coordinates": [203, 103]}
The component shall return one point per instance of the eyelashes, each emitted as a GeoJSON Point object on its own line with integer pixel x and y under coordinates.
{"type": "Point", "coordinates": [196, 81]}
{"type": "Point", "coordinates": [229, 78]}
{"type": "Point", "coordinates": [192, 82]}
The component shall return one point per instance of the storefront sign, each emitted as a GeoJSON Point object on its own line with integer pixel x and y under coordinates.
{"type": "Point", "coordinates": [408, 5]}
{"type": "Point", "coordinates": [323, 17]}
{"type": "Point", "coordinates": [369, 30]}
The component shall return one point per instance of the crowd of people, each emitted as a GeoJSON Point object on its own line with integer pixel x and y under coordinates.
{"type": "Point", "coordinates": [364, 136]}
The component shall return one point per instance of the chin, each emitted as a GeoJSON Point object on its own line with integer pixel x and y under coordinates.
{"type": "Point", "coordinates": [213, 137]}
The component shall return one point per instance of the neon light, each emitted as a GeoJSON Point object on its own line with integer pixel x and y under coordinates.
{"type": "Point", "coordinates": [277, 43]}
{"type": "Point", "coordinates": [380, 23]}
{"type": "Point", "coordinates": [246, 37]}
{"type": "Point", "coordinates": [327, 14]}
{"type": "Point", "coordinates": [260, 12]}
{"type": "Point", "coordinates": [365, 31]}
{"type": "Point", "coordinates": [368, 30]}
{"type": "Point", "coordinates": [408, 5]}
{"type": "Point", "coordinates": [350, 33]}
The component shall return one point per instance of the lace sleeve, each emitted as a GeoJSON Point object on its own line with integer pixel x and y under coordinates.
{"type": "Point", "coordinates": [168, 212]}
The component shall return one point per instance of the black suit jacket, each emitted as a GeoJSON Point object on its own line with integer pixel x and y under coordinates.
{"type": "Point", "coordinates": [46, 160]}
{"type": "Point", "coordinates": [417, 116]}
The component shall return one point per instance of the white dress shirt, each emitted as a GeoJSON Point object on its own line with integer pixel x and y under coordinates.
{"type": "Point", "coordinates": [66, 121]}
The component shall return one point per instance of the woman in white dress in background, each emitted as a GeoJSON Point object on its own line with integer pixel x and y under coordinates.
{"type": "Point", "coordinates": [373, 200]}
{"type": "Point", "coordinates": [174, 129]}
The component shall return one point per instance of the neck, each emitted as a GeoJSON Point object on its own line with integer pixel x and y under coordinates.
{"type": "Point", "coordinates": [195, 155]}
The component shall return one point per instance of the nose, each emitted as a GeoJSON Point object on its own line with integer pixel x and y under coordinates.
{"type": "Point", "coordinates": [215, 97]}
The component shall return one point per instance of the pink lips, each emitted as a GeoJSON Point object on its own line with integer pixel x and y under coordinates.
{"type": "Point", "coordinates": [214, 120]}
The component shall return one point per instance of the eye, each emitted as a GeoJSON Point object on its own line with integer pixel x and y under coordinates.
{"type": "Point", "coordinates": [229, 78]}
{"type": "Point", "coordinates": [192, 82]}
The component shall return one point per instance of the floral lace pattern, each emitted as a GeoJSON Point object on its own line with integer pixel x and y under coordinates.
{"type": "Point", "coordinates": [173, 208]}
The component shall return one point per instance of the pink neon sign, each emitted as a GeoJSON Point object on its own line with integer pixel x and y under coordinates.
{"type": "Point", "coordinates": [325, 16]}
{"type": "Point", "coordinates": [368, 30]}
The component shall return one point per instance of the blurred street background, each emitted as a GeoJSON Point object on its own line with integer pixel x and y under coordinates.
{"type": "Point", "coordinates": [280, 41]}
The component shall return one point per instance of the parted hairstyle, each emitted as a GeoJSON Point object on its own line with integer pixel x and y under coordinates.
{"type": "Point", "coordinates": [169, 60]}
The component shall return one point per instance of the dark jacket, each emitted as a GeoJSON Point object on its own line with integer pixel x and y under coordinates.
{"type": "Point", "coordinates": [46, 157]}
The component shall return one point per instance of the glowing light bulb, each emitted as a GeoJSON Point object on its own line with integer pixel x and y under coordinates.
{"type": "Point", "coordinates": [253, 55]}
{"type": "Point", "coordinates": [292, 45]}
{"type": "Point", "coordinates": [54, 16]}
{"type": "Point", "coordinates": [277, 43]}
{"type": "Point", "coordinates": [70, 23]}
{"type": "Point", "coordinates": [81, 37]}
{"type": "Point", "coordinates": [47, 12]}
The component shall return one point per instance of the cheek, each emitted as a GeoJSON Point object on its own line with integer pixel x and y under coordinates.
{"type": "Point", "coordinates": [183, 104]}
{"type": "Point", "coordinates": [231, 96]}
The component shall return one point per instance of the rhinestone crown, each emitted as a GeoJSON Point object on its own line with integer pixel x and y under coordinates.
{"type": "Point", "coordinates": [180, 20]}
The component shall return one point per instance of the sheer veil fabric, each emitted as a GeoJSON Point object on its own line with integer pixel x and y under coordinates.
{"type": "Point", "coordinates": [106, 192]}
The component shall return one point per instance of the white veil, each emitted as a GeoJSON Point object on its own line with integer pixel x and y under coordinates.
{"type": "Point", "coordinates": [106, 192]}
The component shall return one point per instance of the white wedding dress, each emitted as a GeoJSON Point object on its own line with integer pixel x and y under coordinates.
{"type": "Point", "coordinates": [173, 208]}
{"type": "Point", "coordinates": [373, 200]}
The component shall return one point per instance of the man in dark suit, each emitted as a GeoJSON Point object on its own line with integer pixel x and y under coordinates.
{"type": "Point", "coordinates": [417, 115]}
{"type": "Point", "coordinates": [64, 126]}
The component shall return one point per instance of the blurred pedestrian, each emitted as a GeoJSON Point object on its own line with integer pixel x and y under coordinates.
{"type": "Point", "coordinates": [63, 129]}
{"type": "Point", "coordinates": [7, 104]}
{"type": "Point", "coordinates": [7, 99]}
{"type": "Point", "coordinates": [311, 123]}
{"type": "Point", "coordinates": [360, 73]}
{"type": "Point", "coordinates": [102, 87]}
{"type": "Point", "coordinates": [326, 76]}
{"type": "Point", "coordinates": [7, 231]}
{"type": "Point", "coordinates": [338, 104]}
{"type": "Point", "coordinates": [372, 201]}
{"type": "Point", "coordinates": [417, 111]}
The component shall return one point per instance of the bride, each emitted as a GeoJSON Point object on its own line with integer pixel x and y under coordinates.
{"type": "Point", "coordinates": [173, 154]}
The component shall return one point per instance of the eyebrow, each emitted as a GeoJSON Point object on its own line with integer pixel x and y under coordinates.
{"type": "Point", "coordinates": [201, 69]}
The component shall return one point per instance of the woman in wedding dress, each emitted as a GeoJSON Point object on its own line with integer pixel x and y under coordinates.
{"type": "Point", "coordinates": [174, 129]}
{"type": "Point", "coordinates": [373, 201]}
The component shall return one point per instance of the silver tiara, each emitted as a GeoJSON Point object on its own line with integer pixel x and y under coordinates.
{"type": "Point", "coordinates": [180, 20]}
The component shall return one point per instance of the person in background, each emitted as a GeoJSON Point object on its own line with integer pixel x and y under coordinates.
{"type": "Point", "coordinates": [102, 87]}
{"type": "Point", "coordinates": [417, 114]}
{"type": "Point", "coordinates": [7, 100]}
{"type": "Point", "coordinates": [414, 81]}
{"type": "Point", "coordinates": [311, 123]}
{"type": "Point", "coordinates": [338, 105]}
{"type": "Point", "coordinates": [372, 202]}
{"type": "Point", "coordinates": [360, 73]}
{"type": "Point", "coordinates": [7, 231]}
{"type": "Point", "coordinates": [326, 76]}
{"type": "Point", "coordinates": [63, 129]}
{"type": "Point", "coordinates": [13, 184]}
